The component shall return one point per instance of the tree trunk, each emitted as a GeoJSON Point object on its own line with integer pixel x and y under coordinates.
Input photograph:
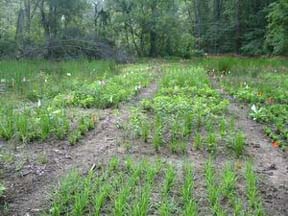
{"type": "Point", "coordinates": [153, 34]}
{"type": "Point", "coordinates": [238, 27]}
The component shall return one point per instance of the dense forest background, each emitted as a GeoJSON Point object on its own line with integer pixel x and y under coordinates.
{"type": "Point", "coordinates": [121, 28]}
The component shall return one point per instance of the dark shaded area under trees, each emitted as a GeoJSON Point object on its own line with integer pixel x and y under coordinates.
{"type": "Point", "coordinates": [64, 29]}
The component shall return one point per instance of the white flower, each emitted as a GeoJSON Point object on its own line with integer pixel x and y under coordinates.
{"type": "Point", "coordinates": [254, 108]}
{"type": "Point", "coordinates": [69, 74]}
{"type": "Point", "coordinates": [39, 103]}
{"type": "Point", "coordinates": [24, 79]}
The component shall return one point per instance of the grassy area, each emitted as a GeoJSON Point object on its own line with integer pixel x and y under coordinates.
{"type": "Point", "coordinates": [31, 80]}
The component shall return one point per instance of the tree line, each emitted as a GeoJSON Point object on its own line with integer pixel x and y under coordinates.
{"type": "Point", "coordinates": [146, 28]}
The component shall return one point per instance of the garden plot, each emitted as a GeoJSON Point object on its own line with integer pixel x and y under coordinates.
{"type": "Point", "coordinates": [172, 147]}
{"type": "Point", "coordinates": [157, 188]}
{"type": "Point", "coordinates": [185, 134]}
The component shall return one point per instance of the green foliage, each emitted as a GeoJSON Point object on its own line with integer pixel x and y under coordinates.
{"type": "Point", "coordinates": [268, 105]}
{"type": "Point", "coordinates": [129, 187]}
{"type": "Point", "coordinates": [2, 189]}
{"type": "Point", "coordinates": [277, 39]}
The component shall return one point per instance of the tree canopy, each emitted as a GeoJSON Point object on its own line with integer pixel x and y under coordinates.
{"type": "Point", "coordinates": [96, 28]}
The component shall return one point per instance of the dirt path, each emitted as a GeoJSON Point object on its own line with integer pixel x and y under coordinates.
{"type": "Point", "coordinates": [271, 164]}
{"type": "Point", "coordinates": [30, 192]}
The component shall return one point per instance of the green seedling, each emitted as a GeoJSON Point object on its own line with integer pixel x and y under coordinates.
{"type": "Point", "coordinates": [169, 180]}
{"type": "Point", "coordinates": [178, 147]}
{"type": "Point", "coordinates": [188, 124]}
{"type": "Point", "coordinates": [45, 126]}
{"type": "Point", "coordinates": [145, 130]}
{"type": "Point", "coordinates": [142, 204]}
{"type": "Point", "coordinates": [74, 137]}
{"type": "Point", "coordinates": [158, 137]}
{"type": "Point", "coordinates": [254, 200]}
{"type": "Point", "coordinates": [239, 144]}
{"type": "Point", "coordinates": [22, 127]}
{"type": "Point", "coordinates": [213, 189]}
{"type": "Point", "coordinates": [114, 164]}
{"type": "Point", "coordinates": [101, 197]}
{"type": "Point", "coordinates": [190, 206]}
{"type": "Point", "coordinates": [198, 142]}
{"type": "Point", "coordinates": [212, 143]}
{"type": "Point", "coordinates": [228, 183]}
{"type": "Point", "coordinates": [223, 127]}
{"type": "Point", "coordinates": [165, 208]}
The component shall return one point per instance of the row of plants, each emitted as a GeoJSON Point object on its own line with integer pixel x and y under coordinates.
{"type": "Point", "coordinates": [267, 95]}
{"type": "Point", "coordinates": [186, 109]}
{"type": "Point", "coordinates": [41, 123]}
{"type": "Point", "coordinates": [105, 94]}
{"type": "Point", "coordinates": [146, 188]}
{"type": "Point", "coordinates": [54, 117]}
